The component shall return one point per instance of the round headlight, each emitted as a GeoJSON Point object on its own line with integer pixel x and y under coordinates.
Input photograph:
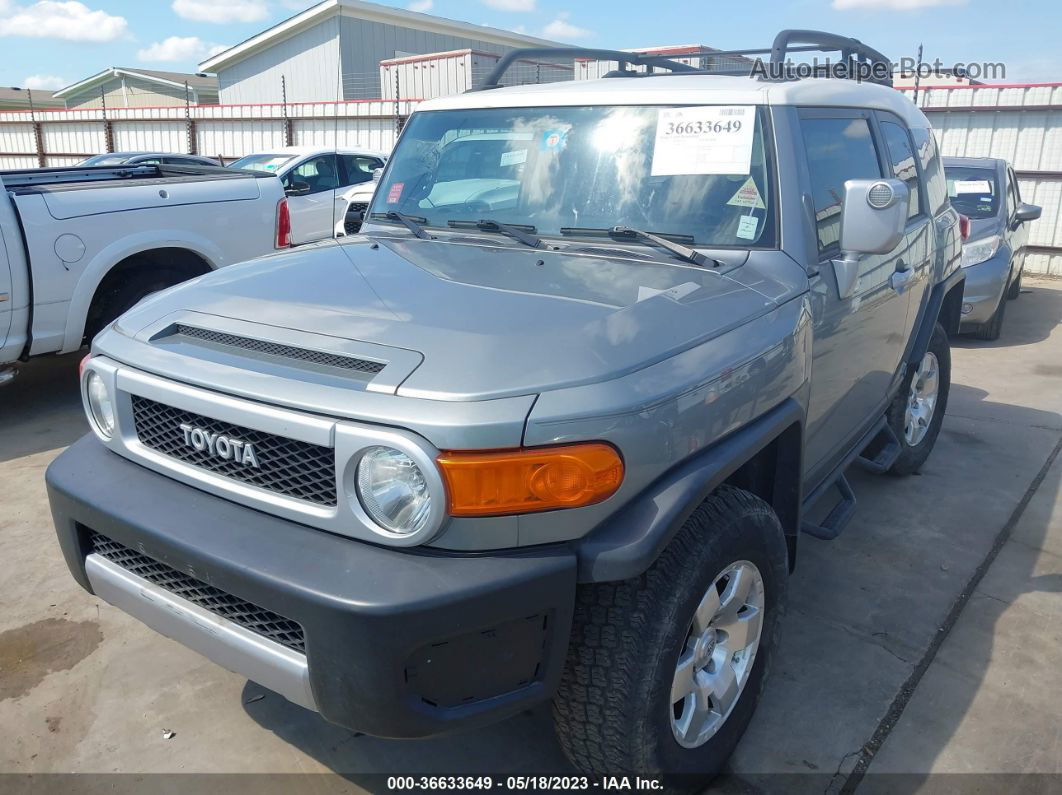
{"type": "Point", "coordinates": [99, 403]}
{"type": "Point", "coordinates": [393, 491]}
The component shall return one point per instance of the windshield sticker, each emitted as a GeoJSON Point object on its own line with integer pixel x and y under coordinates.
{"type": "Point", "coordinates": [271, 167]}
{"type": "Point", "coordinates": [553, 140]}
{"type": "Point", "coordinates": [748, 195]}
{"type": "Point", "coordinates": [712, 139]}
{"type": "Point", "coordinates": [972, 186]}
{"type": "Point", "coordinates": [747, 227]}
{"type": "Point", "coordinates": [395, 193]}
{"type": "Point", "coordinates": [514, 157]}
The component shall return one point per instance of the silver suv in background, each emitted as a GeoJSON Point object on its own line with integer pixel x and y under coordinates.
{"type": "Point", "coordinates": [985, 190]}
{"type": "Point", "coordinates": [551, 427]}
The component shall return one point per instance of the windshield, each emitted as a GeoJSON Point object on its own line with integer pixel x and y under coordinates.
{"type": "Point", "coordinates": [267, 163]}
{"type": "Point", "coordinates": [974, 192]}
{"type": "Point", "coordinates": [106, 160]}
{"type": "Point", "coordinates": [697, 173]}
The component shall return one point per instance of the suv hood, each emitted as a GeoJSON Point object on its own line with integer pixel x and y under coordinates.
{"type": "Point", "coordinates": [488, 320]}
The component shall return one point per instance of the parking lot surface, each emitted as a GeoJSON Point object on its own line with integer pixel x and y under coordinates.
{"type": "Point", "coordinates": [926, 639]}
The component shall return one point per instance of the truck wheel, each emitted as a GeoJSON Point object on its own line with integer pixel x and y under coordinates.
{"type": "Point", "coordinates": [1015, 287]}
{"type": "Point", "coordinates": [664, 670]}
{"type": "Point", "coordinates": [125, 295]}
{"type": "Point", "coordinates": [917, 411]}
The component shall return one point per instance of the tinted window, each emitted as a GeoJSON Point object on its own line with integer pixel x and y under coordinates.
{"type": "Point", "coordinates": [1012, 192]}
{"type": "Point", "coordinates": [360, 168]}
{"type": "Point", "coordinates": [901, 156]}
{"type": "Point", "coordinates": [838, 150]}
{"type": "Point", "coordinates": [974, 192]}
{"type": "Point", "coordinates": [318, 172]}
{"type": "Point", "coordinates": [932, 170]}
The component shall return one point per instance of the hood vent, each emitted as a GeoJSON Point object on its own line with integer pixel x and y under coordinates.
{"type": "Point", "coordinates": [282, 351]}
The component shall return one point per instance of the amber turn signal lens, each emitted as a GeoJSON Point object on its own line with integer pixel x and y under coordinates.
{"type": "Point", "coordinates": [529, 480]}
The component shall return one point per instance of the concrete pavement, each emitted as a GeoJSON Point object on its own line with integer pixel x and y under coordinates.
{"type": "Point", "coordinates": [864, 680]}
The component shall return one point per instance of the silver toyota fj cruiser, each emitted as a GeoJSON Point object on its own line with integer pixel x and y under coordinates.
{"type": "Point", "coordinates": [550, 428]}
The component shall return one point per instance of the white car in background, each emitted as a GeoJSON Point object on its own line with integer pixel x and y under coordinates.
{"type": "Point", "coordinates": [322, 184]}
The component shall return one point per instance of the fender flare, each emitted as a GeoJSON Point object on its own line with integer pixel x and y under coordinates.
{"type": "Point", "coordinates": [627, 543]}
{"type": "Point", "coordinates": [101, 264]}
{"type": "Point", "coordinates": [931, 313]}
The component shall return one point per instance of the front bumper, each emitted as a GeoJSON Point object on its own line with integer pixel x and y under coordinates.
{"type": "Point", "coordinates": [985, 283]}
{"type": "Point", "coordinates": [396, 644]}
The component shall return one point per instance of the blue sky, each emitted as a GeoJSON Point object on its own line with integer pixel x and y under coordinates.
{"type": "Point", "coordinates": [51, 43]}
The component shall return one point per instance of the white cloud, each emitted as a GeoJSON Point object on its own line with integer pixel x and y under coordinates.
{"type": "Point", "coordinates": [44, 82]}
{"type": "Point", "coordinates": [893, 5]}
{"type": "Point", "coordinates": [180, 48]}
{"type": "Point", "coordinates": [52, 19]}
{"type": "Point", "coordinates": [561, 28]}
{"type": "Point", "coordinates": [511, 5]}
{"type": "Point", "coordinates": [221, 12]}
{"type": "Point", "coordinates": [421, 5]}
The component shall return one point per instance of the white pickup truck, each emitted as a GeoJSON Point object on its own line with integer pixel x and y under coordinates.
{"type": "Point", "coordinates": [79, 246]}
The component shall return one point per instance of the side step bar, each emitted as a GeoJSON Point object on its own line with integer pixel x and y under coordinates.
{"type": "Point", "coordinates": [886, 449]}
{"type": "Point", "coordinates": [879, 451]}
{"type": "Point", "coordinates": [840, 516]}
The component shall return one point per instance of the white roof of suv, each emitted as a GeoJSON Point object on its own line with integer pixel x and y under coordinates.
{"type": "Point", "coordinates": [693, 89]}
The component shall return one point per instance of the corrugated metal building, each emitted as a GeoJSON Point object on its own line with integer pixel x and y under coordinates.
{"type": "Point", "coordinates": [27, 98]}
{"type": "Point", "coordinates": [124, 87]}
{"type": "Point", "coordinates": [443, 74]}
{"type": "Point", "coordinates": [333, 50]}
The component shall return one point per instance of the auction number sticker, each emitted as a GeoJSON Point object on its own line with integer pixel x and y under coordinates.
{"type": "Point", "coordinates": [709, 139]}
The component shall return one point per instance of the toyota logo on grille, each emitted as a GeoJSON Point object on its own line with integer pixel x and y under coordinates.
{"type": "Point", "coordinates": [219, 445]}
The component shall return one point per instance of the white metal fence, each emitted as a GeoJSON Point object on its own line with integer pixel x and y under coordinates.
{"type": "Point", "coordinates": [1022, 124]}
{"type": "Point", "coordinates": [64, 137]}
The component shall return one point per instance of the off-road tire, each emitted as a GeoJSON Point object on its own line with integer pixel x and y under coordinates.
{"type": "Point", "coordinates": [912, 457]}
{"type": "Point", "coordinates": [1015, 286]}
{"type": "Point", "coordinates": [611, 711]}
{"type": "Point", "coordinates": [994, 327]}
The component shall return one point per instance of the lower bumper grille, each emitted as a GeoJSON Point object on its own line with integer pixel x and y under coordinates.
{"type": "Point", "coordinates": [284, 466]}
{"type": "Point", "coordinates": [257, 619]}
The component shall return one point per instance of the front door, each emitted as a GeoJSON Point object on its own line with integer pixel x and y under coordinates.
{"type": "Point", "coordinates": [311, 187]}
{"type": "Point", "coordinates": [859, 329]}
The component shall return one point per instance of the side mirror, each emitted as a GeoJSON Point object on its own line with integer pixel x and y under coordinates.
{"type": "Point", "coordinates": [873, 220]}
{"type": "Point", "coordinates": [1027, 212]}
{"type": "Point", "coordinates": [297, 189]}
{"type": "Point", "coordinates": [376, 174]}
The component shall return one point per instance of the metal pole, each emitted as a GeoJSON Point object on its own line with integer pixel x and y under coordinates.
{"type": "Point", "coordinates": [918, 74]}
{"type": "Point", "coordinates": [288, 131]}
{"type": "Point", "coordinates": [108, 131]}
{"type": "Point", "coordinates": [189, 125]}
{"type": "Point", "coordinates": [398, 104]}
{"type": "Point", "coordinates": [38, 137]}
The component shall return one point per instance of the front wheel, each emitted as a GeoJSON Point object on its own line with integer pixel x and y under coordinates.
{"type": "Point", "coordinates": [917, 411]}
{"type": "Point", "coordinates": [664, 671]}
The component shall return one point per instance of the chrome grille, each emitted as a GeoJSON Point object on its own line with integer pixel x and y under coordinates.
{"type": "Point", "coordinates": [289, 467]}
{"type": "Point", "coordinates": [249, 616]}
{"type": "Point", "coordinates": [283, 351]}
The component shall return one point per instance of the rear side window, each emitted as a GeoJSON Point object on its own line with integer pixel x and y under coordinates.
{"type": "Point", "coordinates": [838, 150]}
{"type": "Point", "coordinates": [932, 169]}
{"type": "Point", "coordinates": [901, 157]}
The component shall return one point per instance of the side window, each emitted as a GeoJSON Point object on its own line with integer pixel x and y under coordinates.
{"type": "Point", "coordinates": [359, 168]}
{"type": "Point", "coordinates": [838, 150]}
{"type": "Point", "coordinates": [929, 155]}
{"type": "Point", "coordinates": [902, 158]}
{"type": "Point", "coordinates": [319, 173]}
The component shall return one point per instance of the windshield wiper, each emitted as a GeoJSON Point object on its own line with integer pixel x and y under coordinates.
{"type": "Point", "coordinates": [684, 253]}
{"type": "Point", "coordinates": [522, 233]}
{"type": "Point", "coordinates": [410, 222]}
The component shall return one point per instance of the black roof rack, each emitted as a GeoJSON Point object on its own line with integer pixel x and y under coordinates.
{"type": "Point", "coordinates": [857, 60]}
